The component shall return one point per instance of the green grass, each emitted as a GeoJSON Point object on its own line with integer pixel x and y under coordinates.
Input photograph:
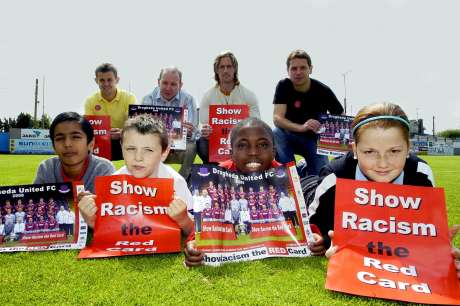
{"type": "Point", "coordinates": [59, 278]}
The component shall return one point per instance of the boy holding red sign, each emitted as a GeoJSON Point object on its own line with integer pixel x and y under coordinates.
{"type": "Point", "coordinates": [145, 146]}
{"type": "Point", "coordinates": [253, 150]}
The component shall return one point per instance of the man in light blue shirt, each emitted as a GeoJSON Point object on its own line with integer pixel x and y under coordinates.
{"type": "Point", "coordinates": [169, 93]}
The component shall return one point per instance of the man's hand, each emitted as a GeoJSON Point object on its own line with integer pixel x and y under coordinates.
{"type": "Point", "coordinates": [189, 128]}
{"type": "Point", "coordinates": [115, 133]}
{"type": "Point", "coordinates": [311, 125]}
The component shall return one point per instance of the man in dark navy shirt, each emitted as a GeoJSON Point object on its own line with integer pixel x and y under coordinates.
{"type": "Point", "coordinates": [299, 101]}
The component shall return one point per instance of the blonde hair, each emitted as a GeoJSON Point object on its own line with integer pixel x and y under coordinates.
{"type": "Point", "coordinates": [381, 109]}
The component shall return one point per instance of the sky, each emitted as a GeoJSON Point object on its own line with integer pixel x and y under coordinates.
{"type": "Point", "coordinates": [402, 51]}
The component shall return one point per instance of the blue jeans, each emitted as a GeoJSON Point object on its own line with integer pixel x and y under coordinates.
{"type": "Point", "coordinates": [289, 143]}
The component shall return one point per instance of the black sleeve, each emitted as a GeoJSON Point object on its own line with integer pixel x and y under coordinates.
{"type": "Point", "coordinates": [334, 106]}
{"type": "Point", "coordinates": [280, 93]}
{"type": "Point", "coordinates": [324, 216]}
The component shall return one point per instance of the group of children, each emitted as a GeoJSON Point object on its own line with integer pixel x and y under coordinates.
{"type": "Point", "coordinates": [380, 153]}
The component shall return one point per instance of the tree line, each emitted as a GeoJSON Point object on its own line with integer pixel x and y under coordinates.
{"type": "Point", "coordinates": [24, 121]}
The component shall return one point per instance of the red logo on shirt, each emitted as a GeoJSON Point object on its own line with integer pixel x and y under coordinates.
{"type": "Point", "coordinates": [97, 107]}
{"type": "Point", "coordinates": [297, 104]}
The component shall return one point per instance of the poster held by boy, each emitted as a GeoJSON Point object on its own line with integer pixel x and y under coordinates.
{"type": "Point", "coordinates": [145, 146]}
{"type": "Point", "coordinates": [34, 227]}
{"type": "Point", "coordinates": [132, 218]}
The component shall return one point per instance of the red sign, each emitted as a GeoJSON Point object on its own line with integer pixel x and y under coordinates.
{"type": "Point", "coordinates": [394, 243]}
{"type": "Point", "coordinates": [217, 230]}
{"type": "Point", "coordinates": [49, 236]}
{"type": "Point", "coordinates": [132, 217]}
{"type": "Point", "coordinates": [276, 229]}
{"type": "Point", "coordinates": [222, 118]}
{"type": "Point", "coordinates": [101, 127]}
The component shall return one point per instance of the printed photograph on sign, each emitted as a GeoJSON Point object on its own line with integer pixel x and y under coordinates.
{"type": "Point", "coordinates": [335, 136]}
{"type": "Point", "coordinates": [39, 217]}
{"type": "Point", "coordinates": [247, 216]}
{"type": "Point", "coordinates": [171, 116]}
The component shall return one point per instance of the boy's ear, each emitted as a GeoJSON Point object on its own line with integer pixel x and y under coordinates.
{"type": "Point", "coordinates": [353, 146]}
{"type": "Point", "coordinates": [91, 146]}
{"type": "Point", "coordinates": [165, 153]}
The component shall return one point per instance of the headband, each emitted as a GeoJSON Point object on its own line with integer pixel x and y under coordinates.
{"type": "Point", "coordinates": [385, 117]}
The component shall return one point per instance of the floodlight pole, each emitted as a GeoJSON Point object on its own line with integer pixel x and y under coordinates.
{"type": "Point", "coordinates": [36, 103]}
{"type": "Point", "coordinates": [345, 88]}
{"type": "Point", "coordinates": [43, 102]}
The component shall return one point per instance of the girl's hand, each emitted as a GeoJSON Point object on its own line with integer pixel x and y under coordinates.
{"type": "Point", "coordinates": [333, 248]}
{"type": "Point", "coordinates": [455, 251]}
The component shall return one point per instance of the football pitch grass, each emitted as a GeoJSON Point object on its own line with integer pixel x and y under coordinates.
{"type": "Point", "coordinates": [58, 277]}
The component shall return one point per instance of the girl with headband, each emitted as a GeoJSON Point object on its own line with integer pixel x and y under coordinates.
{"type": "Point", "coordinates": [380, 154]}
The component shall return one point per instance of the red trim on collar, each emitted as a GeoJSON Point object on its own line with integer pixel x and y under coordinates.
{"type": "Point", "coordinates": [65, 178]}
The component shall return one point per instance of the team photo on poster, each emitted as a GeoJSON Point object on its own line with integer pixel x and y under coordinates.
{"type": "Point", "coordinates": [335, 137]}
{"type": "Point", "coordinates": [171, 116]}
{"type": "Point", "coordinates": [243, 217]}
{"type": "Point", "coordinates": [39, 217]}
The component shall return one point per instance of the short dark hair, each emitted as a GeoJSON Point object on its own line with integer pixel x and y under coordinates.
{"type": "Point", "coordinates": [72, 116]}
{"type": "Point", "coordinates": [106, 67]}
{"type": "Point", "coordinates": [298, 54]}
{"type": "Point", "coordinates": [147, 124]}
{"type": "Point", "coordinates": [251, 122]}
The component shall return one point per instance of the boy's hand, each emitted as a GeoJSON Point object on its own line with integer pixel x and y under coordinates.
{"type": "Point", "coordinates": [177, 211]}
{"type": "Point", "coordinates": [317, 247]}
{"type": "Point", "coordinates": [88, 209]}
{"type": "Point", "coordinates": [193, 256]}
{"type": "Point", "coordinates": [80, 195]}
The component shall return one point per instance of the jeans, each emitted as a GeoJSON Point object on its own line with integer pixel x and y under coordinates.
{"type": "Point", "coordinates": [289, 143]}
{"type": "Point", "coordinates": [185, 158]}
{"type": "Point", "coordinates": [202, 148]}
